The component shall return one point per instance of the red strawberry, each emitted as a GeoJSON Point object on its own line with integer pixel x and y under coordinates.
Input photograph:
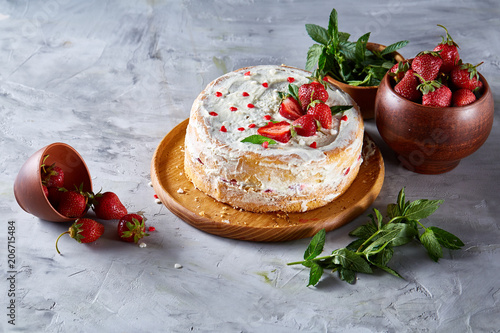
{"type": "Point", "coordinates": [448, 52]}
{"type": "Point", "coordinates": [310, 92]}
{"type": "Point", "coordinates": [399, 70]}
{"type": "Point", "coordinates": [466, 76]}
{"type": "Point", "coordinates": [276, 131]}
{"type": "Point", "coordinates": [84, 231]}
{"type": "Point", "coordinates": [434, 93]}
{"type": "Point", "coordinates": [427, 64]}
{"type": "Point", "coordinates": [462, 97]}
{"type": "Point", "coordinates": [305, 125]}
{"type": "Point", "coordinates": [290, 108]}
{"type": "Point", "coordinates": [72, 203]}
{"type": "Point", "coordinates": [45, 191]}
{"type": "Point", "coordinates": [107, 206]}
{"type": "Point", "coordinates": [407, 87]}
{"type": "Point", "coordinates": [55, 195]}
{"type": "Point", "coordinates": [131, 228]}
{"type": "Point", "coordinates": [52, 176]}
{"type": "Point", "coordinates": [322, 113]}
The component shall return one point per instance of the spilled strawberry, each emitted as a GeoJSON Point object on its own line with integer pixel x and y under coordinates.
{"type": "Point", "coordinates": [83, 230]}
{"type": "Point", "coordinates": [52, 175]}
{"type": "Point", "coordinates": [131, 228]}
{"type": "Point", "coordinates": [73, 203]}
{"type": "Point", "coordinates": [107, 206]}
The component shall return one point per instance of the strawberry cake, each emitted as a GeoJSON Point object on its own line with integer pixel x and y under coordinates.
{"type": "Point", "coordinates": [270, 138]}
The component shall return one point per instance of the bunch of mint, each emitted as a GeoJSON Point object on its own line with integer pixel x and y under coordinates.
{"type": "Point", "coordinates": [376, 240]}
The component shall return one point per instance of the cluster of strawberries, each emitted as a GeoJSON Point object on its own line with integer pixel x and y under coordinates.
{"type": "Point", "coordinates": [75, 204]}
{"type": "Point", "coordinates": [438, 78]}
{"type": "Point", "coordinates": [305, 107]}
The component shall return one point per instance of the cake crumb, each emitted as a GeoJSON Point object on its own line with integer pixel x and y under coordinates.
{"type": "Point", "coordinates": [142, 245]}
{"type": "Point", "coordinates": [150, 184]}
{"type": "Point", "coordinates": [158, 201]}
{"type": "Point", "coordinates": [202, 213]}
{"type": "Point", "coordinates": [226, 221]}
{"type": "Point", "coordinates": [180, 191]}
{"type": "Point", "coordinates": [178, 266]}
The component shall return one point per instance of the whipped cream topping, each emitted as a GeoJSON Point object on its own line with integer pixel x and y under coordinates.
{"type": "Point", "coordinates": [244, 100]}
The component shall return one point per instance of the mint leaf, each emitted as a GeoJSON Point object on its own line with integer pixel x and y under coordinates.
{"type": "Point", "coordinates": [313, 56]}
{"type": "Point", "coordinates": [347, 275]}
{"type": "Point", "coordinates": [360, 52]}
{"type": "Point", "coordinates": [258, 139]}
{"type": "Point", "coordinates": [315, 273]}
{"type": "Point", "coordinates": [394, 47]}
{"type": "Point", "coordinates": [420, 209]}
{"type": "Point", "coordinates": [350, 260]}
{"type": "Point", "coordinates": [333, 28]}
{"type": "Point", "coordinates": [316, 245]}
{"type": "Point", "coordinates": [364, 231]}
{"type": "Point", "coordinates": [339, 108]}
{"type": "Point", "coordinates": [317, 33]}
{"type": "Point", "coordinates": [430, 242]}
{"type": "Point", "coordinates": [293, 90]}
{"type": "Point", "coordinates": [447, 239]}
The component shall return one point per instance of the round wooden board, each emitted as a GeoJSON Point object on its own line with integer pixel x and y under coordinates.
{"type": "Point", "coordinates": [180, 196]}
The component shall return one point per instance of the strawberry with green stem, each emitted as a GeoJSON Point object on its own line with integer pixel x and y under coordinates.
{"type": "Point", "coordinates": [427, 64]}
{"type": "Point", "coordinates": [73, 203]}
{"type": "Point", "coordinates": [408, 86]}
{"type": "Point", "coordinates": [305, 126]}
{"type": "Point", "coordinates": [466, 76]}
{"type": "Point", "coordinates": [131, 228]}
{"type": "Point", "coordinates": [434, 93]}
{"type": "Point", "coordinates": [107, 206]}
{"type": "Point", "coordinates": [280, 131]}
{"type": "Point", "coordinates": [311, 92]}
{"type": "Point", "coordinates": [290, 107]}
{"type": "Point", "coordinates": [83, 230]}
{"type": "Point", "coordinates": [448, 51]}
{"type": "Point", "coordinates": [322, 113]}
{"type": "Point", "coordinates": [52, 175]}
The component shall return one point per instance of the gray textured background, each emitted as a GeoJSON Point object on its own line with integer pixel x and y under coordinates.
{"type": "Point", "coordinates": [111, 78]}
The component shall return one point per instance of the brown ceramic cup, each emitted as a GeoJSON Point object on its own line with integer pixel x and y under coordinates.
{"type": "Point", "coordinates": [28, 184]}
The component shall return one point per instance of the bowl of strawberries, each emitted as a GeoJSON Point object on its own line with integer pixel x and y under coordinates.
{"type": "Point", "coordinates": [52, 184]}
{"type": "Point", "coordinates": [434, 110]}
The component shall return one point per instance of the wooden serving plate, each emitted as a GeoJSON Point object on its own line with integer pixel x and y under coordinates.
{"type": "Point", "coordinates": [180, 196]}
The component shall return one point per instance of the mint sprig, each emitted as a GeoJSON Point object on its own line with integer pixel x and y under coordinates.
{"type": "Point", "coordinates": [376, 240]}
{"type": "Point", "coordinates": [345, 61]}
{"type": "Point", "coordinates": [258, 139]}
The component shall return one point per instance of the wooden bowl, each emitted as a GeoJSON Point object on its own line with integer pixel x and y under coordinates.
{"type": "Point", "coordinates": [28, 184]}
{"type": "Point", "coordinates": [432, 140]}
{"type": "Point", "coordinates": [364, 96]}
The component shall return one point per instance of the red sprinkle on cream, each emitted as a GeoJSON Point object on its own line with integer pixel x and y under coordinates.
{"type": "Point", "coordinates": [267, 117]}
{"type": "Point", "coordinates": [291, 79]}
{"type": "Point", "coordinates": [241, 129]}
{"type": "Point", "coordinates": [313, 145]}
{"type": "Point", "coordinates": [232, 108]}
{"type": "Point", "coordinates": [245, 94]}
{"type": "Point", "coordinates": [223, 128]}
{"type": "Point", "coordinates": [247, 73]}
{"type": "Point", "coordinates": [344, 118]}
{"type": "Point", "coordinates": [218, 94]}
{"type": "Point", "coordinates": [251, 106]}
{"type": "Point", "coordinates": [265, 144]}
{"type": "Point", "coordinates": [214, 114]}
{"type": "Point", "coordinates": [155, 196]}
{"type": "Point", "coordinates": [251, 125]}
{"type": "Point", "coordinates": [347, 171]}
{"type": "Point", "coordinates": [150, 229]}
{"type": "Point", "coordinates": [265, 85]}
